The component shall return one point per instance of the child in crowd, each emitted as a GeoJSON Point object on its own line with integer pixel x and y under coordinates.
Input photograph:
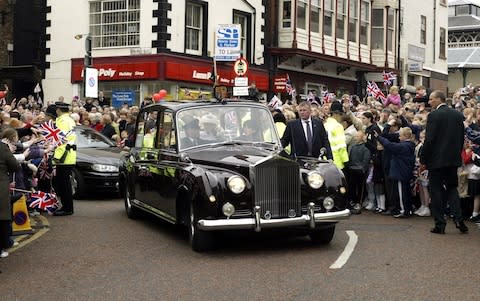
{"type": "Point", "coordinates": [422, 180]}
{"type": "Point", "coordinates": [402, 163]}
{"type": "Point", "coordinates": [357, 170]}
{"type": "Point", "coordinates": [379, 179]}
{"type": "Point", "coordinates": [393, 97]}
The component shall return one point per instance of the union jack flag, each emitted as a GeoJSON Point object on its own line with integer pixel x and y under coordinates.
{"type": "Point", "coordinates": [46, 170]}
{"type": "Point", "coordinates": [374, 90]}
{"type": "Point", "coordinates": [44, 201]}
{"type": "Point", "coordinates": [275, 103]}
{"type": "Point", "coordinates": [289, 87]}
{"type": "Point", "coordinates": [329, 97]}
{"type": "Point", "coordinates": [52, 133]}
{"type": "Point", "coordinates": [388, 78]}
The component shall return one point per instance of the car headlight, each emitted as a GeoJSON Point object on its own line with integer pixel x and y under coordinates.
{"type": "Point", "coordinates": [315, 180]}
{"type": "Point", "coordinates": [105, 168]}
{"type": "Point", "coordinates": [236, 184]}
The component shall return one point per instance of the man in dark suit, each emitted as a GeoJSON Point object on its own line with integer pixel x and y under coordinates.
{"type": "Point", "coordinates": [306, 135]}
{"type": "Point", "coordinates": [442, 155]}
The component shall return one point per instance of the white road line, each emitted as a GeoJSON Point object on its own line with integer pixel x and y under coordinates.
{"type": "Point", "coordinates": [343, 258]}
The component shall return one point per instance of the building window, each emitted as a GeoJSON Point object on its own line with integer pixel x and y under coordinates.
{"type": "Point", "coordinates": [423, 29]}
{"type": "Point", "coordinates": [353, 21]}
{"type": "Point", "coordinates": [302, 14]}
{"type": "Point", "coordinates": [193, 29]}
{"type": "Point", "coordinates": [391, 29]}
{"type": "Point", "coordinates": [377, 29]}
{"type": "Point", "coordinates": [365, 22]}
{"type": "Point", "coordinates": [462, 10]}
{"type": "Point", "coordinates": [115, 23]}
{"type": "Point", "coordinates": [243, 20]}
{"type": "Point", "coordinates": [442, 42]}
{"type": "Point", "coordinates": [327, 18]}
{"type": "Point", "coordinates": [443, 2]}
{"type": "Point", "coordinates": [315, 12]}
{"type": "Point", "coordinates": [341, 19]}
{"type": "Point", "coordinates": [287, 14]}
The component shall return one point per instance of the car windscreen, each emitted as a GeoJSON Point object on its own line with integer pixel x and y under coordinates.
{"type": "Point", "coordinates": [224, 124]}
{"type": "Point", "coordinates": [90, 138]}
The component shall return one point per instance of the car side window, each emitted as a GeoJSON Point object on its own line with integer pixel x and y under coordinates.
{"type": "Point", "coordinates": [146, 129]}
{"type": "Point", "coordinates": [167, 139]}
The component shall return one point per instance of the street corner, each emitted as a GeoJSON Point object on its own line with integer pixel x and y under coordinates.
{"type": "Point", "coordinates": [39, 225]}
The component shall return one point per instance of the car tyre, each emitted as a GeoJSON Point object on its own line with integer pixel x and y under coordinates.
{"type": "Point", "coordinates": [322, 236]}
{"type": "Point", "coordinates": [78, 184]}
{"type": "Point", "coordinates": [200, 241]}
{"type": "Point", "coordinates": [132, 211]}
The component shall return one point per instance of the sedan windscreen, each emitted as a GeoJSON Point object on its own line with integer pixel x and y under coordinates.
{"type": "Point", "coordinates": [91, 138]}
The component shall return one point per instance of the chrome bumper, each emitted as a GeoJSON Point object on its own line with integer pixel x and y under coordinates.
{"type": "Point", "coordinates": [258, 223]}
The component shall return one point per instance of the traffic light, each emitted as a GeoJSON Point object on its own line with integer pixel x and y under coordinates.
{"type": "Point", "coordinates": [88, 50]}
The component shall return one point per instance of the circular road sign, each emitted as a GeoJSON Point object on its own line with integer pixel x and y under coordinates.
{"type": "Point", "coordinates": [240, 67]}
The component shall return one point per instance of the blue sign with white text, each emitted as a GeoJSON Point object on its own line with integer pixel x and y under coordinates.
{"type": "Point", "coordinates": [123, 97]}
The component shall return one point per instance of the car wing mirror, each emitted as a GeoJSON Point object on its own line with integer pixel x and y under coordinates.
{"type": "Point", "coordinates": [185, 158]}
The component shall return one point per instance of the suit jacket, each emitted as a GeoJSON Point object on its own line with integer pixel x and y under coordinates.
{"type": "Point", "coordinates": [294, 135]}
{"type": "Point", "coordinates": [443, 139]}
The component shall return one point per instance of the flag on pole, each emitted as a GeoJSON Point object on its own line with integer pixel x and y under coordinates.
{"type": "Point", "coordinates": [388, 78]}
{"type": "Point", "coordinates": [275, 103]}
{"type": "Point", "coordinates": [289, 87]}
{"type": "Point", "coordinates": [52, 134]}
{"type": "Point", "coordinates": [374, 90]}
{"type": "Point", "coordinates": [45, 201]}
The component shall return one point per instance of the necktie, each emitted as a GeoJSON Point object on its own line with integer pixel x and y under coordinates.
{"type": "Point", "coordinates": [309, 138]}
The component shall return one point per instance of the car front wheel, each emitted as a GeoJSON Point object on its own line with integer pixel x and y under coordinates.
{"type": "Point", "coordinates": [200, 241]}
{"type": "Point", "coordinates": [322, 236]}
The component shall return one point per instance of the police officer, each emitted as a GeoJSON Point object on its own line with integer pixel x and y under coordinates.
{"type": "Point", "coordinates": [64, 158]}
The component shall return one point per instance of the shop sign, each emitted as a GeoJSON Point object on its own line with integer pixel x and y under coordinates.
{"type": "Point", "coordinates": [279, 83]}
{"type": "Point", "coordinates": [91, 82]}
{"type": "Point", "coordinates": [240, 67]}
{"type": "Point", "coordinates": [147, 70]}
{"type": "Point", "coordinates": [123, 97]}
{"type": "Point", "coordinates": [227, 42]}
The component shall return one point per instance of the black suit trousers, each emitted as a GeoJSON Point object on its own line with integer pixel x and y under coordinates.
{"type": "Point", "coordinates": [443, 184]}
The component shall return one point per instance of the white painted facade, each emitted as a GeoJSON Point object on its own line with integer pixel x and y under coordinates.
{"type": "Point", "coordinates": [71, 17]}
{"type": "Point", "coordinates": [412, 51]}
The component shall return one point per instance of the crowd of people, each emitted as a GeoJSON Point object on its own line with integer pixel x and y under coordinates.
{"type": "Point", "coordinates": [400, 155]}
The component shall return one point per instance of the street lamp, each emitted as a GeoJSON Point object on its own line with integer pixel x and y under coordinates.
{"type": "Point", "coordinates": [87, 62]}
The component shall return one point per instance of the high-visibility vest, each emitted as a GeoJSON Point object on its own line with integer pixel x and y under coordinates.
{"type": "Point", "coordinates": [336, 137]}
{"type": "Point", "coordinates": [65, 123]}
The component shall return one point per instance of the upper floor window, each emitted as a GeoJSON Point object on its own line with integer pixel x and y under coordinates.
{"type": "Point", "coordinates": [341, 19]}
{"type": "Point", "coordinates": [377, 29]}
{"type": "Point", "coordinates": [287, 14]}
{"type": "Point", "coordinates": [443, 44]}
{"type": "Point", "coordinates": [391, 29]}
{"type": "Point", "coordinates": [115, 23]}
{"type": "Point", "coordinates": [462, 10]}
{"type": "Point", "coordinates": [315, 13]}
{"type": "Point", "coordinates": [193, 28]}
{"type": "Point", "coordinates": [353, 21]}
{"type": "Point", "coordinates": [328, 17]}
{"type": "Point", "coordinates": [364, 22]}
{"type": "Point", "coordinates": [243, 20]}
{"type": "Point", "coordinates": [302, 14]}
{"type": "Point", "coordinates": [423, 29]}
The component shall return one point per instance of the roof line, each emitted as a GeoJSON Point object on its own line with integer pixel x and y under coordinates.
{"type": "Point", "coordinates": [468, 58]}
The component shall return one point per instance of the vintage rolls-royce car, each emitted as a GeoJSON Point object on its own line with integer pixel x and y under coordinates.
{"type": "Point", "coordinates": [219, 165]}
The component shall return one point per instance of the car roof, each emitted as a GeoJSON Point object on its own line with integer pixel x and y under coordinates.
{"type": "Point", "coordinates": [176, 105]}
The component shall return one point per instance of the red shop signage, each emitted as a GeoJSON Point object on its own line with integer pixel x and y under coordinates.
{"type": "Point", "coordinates": [279, 83]}
{"type": "Point", "coordinates": [129, 71]}
{"type": "Point", "coordinates": [201, 74]}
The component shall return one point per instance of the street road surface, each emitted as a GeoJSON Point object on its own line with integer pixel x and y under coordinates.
{"type": "Point", "coordinates": [100, 254]}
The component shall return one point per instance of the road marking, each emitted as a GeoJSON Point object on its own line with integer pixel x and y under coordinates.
{"type": "Point", "coordinates": [343, 258]}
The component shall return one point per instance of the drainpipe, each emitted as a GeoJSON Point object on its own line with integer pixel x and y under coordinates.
{"type": "Point", "coordinates": [399, 32]}
{"type": "Point", "coordinates": [434, 29]}
{"type": "Point", "coordinates": [386, 36]}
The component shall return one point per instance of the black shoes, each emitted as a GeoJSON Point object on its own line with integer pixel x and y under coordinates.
{"type": "Point", "coordinates": [62, 213]}
{"type": "Point", "coordinates": [462, 227]}
{"type": "Point", "coordinates": [437, 230]}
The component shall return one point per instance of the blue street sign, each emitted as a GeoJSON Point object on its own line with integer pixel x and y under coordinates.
{"type": "Point", "coordinates": [121, 97]}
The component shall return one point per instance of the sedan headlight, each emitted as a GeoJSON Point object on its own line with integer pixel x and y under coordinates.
{"type": "Point", "coordinates": [105, 168]}
{"type": "Point", "coordinates": [315, 180]}
{"type": "Point", "coordinates": [236, 184]}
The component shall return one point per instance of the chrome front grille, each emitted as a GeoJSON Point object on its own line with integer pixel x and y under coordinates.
{"type": "Point", "coordinates": [277, 188]}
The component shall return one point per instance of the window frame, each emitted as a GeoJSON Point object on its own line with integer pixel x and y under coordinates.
{"type": "Point", "coordinates": [353, 16]}
{"type": "Point", "coordinates": [328, 12]}
{"type": "Point", "coordinates": [365, 5]}
{"type": "Point", "coordinates": [298, 11]}
{"type": "Point", "coordinates": [391, 29]}
{"type": "Point", "coordinates": [379, 28]}
{"type": "Point", "coordinates": [113, 27]}
{"type": "Point", "coordinates": [199, 29]}
{"type": "Point", "coordinates": [341, 18]}
{"type": "Point", "coordinates": [287, 22]}
{"type": "Point", "coordinates": [443, 44]}
{"type": "Point", "coordinates": [162, 134]}
{"type": "Point", "coordinates": [423, 29]}
{"type": "Point", "coordinates": [246, 37]}
{"type": "Point", "coordinates": [317, 8]}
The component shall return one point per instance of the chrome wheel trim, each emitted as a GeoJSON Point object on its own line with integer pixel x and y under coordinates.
{"type": "Point", "coordinates": [192, 222]}
{"type": "Point", "coordinates": [127, 198]}
{"type": "Point", "coordinates": [73, 183]}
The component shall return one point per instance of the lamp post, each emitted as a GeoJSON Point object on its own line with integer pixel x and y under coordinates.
{"type": "Point", "coordinates": [87, 60]}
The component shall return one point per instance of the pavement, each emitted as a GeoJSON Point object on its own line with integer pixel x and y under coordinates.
{"type": "Point", "coordinates": [40, 226]}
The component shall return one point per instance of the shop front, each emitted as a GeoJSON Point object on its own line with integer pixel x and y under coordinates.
{"type": "Point", "coordinates": [182, 77]}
